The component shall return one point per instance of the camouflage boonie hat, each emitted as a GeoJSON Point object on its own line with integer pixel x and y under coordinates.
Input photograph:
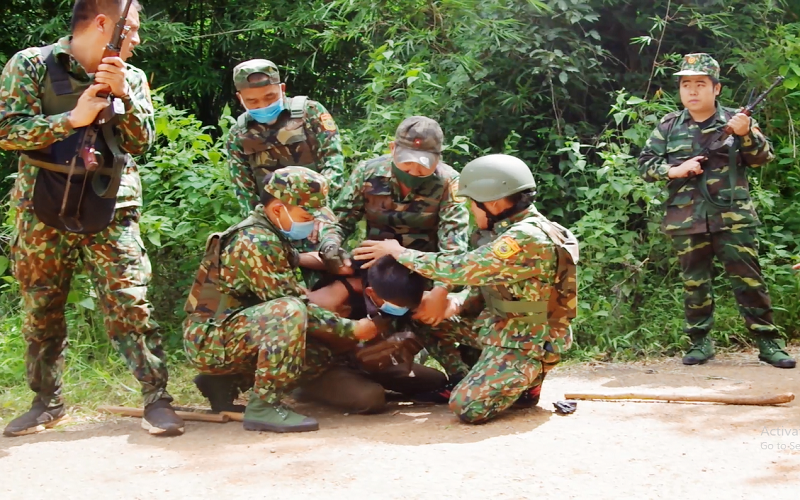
{"type": "Point", "coordinates": [418, 139]}
{"type": "Point", "coordinates": [699, 64]}
{"type": "Point", "coordinates": [302, 187]}
{"type": "Point", "coordinates": [242, 72]}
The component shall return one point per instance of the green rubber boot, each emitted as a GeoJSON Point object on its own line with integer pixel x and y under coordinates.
{"type": "Point", "coordinates": [701, 351]}
{"type": "Point", "coordinates": [773, 351]}
{"type": "Point", "coordinates": [262, 416]}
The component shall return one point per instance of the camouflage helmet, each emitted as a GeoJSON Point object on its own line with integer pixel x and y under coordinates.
{"type": "Point", "coordinates": [699, 64]}
{"type": "Point", "coordinates": [302, 187]}
{"type": "Point", "coordinates": [494, 177]}
{"type": "Point", "coordinates": [243, 71]}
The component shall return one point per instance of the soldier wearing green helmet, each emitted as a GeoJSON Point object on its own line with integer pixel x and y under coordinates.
{"type": "Point", "coordinates": [248, 317]}
{"type": "Point", "coordinates": [523, 293]}
{"type": "Point", "coordinates": [709, 209]}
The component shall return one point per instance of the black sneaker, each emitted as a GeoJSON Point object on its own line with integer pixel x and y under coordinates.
{"type": "Point", "coordinates": [440, 396]}
{"type": "Point", "coordinates": [37, 419]}
{"type": "Point", "coordinates": [161, 420]}
{"type": "Point", "coordinates": [221, 391]}
{"type": "Point", "coordinates": [529, 398]}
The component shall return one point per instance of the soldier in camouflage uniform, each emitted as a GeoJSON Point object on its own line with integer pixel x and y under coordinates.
{"type": "Point", "coordinates": [409, 194]}
{"type": "Point", "coordinates": [39, 119]}
{"type": "Point", "coordinates": [248, 313]}
{"type": "Point", "coordinates": [709, 210]}
{"type": "Point", "coordinates": [524, 281]}
{"type": "Point", "coordinates": [277, 131]}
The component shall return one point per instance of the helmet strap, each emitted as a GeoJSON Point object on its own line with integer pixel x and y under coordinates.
{"type": "Point", "coordinates": [511, 211]}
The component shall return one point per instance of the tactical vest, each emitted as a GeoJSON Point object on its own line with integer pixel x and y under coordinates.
{"type": "Point", "coordinates": [415, 224]}
{"type": "Point", "coordinates": [206, 303]}
{"type": "Point", "coordinates": [93, 207]}
{"type": "Point", "coordinates": [559, 311]}
{"type": "Point", "coordinates": [284, 143]}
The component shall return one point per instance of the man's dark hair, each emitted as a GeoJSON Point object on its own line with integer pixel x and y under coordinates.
{"type": "Point", "coordinates": [394, 283]}
{"type": "Point", "coordinates": [714, 81]}
{"type": "Point", "coordinates": [264, 197]}
{"type": "Point", "coordinates": [85, 10]}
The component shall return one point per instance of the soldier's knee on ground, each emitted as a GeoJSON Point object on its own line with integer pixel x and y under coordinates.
{"type": "Point", "coordinates": [469, 412]}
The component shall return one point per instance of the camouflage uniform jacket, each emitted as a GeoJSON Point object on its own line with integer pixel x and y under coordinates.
{"type": "Point", "coordinates": [521, 260]}
{"type": "Point", "coordinates": [254, 149]}
{"type": "Point", "coordinates": [429, 219]}
{"type": "Point", "coordinates": [677, 139]}
{"type": "Point", "coordinates": [24, 127]}
{"type": "Point", "coordinates": [252, 263]}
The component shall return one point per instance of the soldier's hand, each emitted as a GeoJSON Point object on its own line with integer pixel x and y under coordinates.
{"type": "Point", "coordinates": [433, 308]}
{"type": "Point", "coordinates": [336, 259]}
{"type": "Point", "coordinates": [740, 124]}
{"type": "Point", "coordinates": [372, 250]}
{"type": "Point", "coordinates": [365, 330]}
{"type": "Point", "coordinates": [796, 267]}
{"type": "Point", "coordinates": [89, 105]}
{"type": "Point", "coordinates": [689, 168]}
{"type": "Point", "coordinates": [111, 72]}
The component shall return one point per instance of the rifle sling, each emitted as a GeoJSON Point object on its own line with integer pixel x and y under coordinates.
{"type": "Point", "coordinates": [64, 169]}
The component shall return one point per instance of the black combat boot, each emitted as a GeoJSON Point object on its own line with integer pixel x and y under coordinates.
{"type": "Point", "coordinates": [160, 419]}
{"type": "Point", "coordinates": [530, 397]}
{"type": "Point", "coordinates": [221, 391]}
{"type": "Point", "coordinates": [439, 396]}
{"type": "Point", "coordinates": [37, 419]}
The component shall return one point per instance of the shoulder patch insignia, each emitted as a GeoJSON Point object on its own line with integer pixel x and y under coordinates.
{"type": "Point", "coordinates": [327, 122]}
{"type": "Point", "coordinates": [454, 192]}
{"type": "Point", "coordinates": [505, 247]}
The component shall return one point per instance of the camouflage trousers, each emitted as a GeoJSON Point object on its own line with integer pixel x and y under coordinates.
{"type": "Point", "coordinates": [737, 250]}
{"type": "Point", "coordinates": [267, 339]}
{"type": "Point", "coordinates": [441, 342]}
{"type": "Point", "coordinates": [497, 380]}
{"type": "Point", "coordinates": [116, 261]}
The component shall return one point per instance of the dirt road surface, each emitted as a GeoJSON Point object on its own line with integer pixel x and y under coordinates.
{"type": "Point", "coordinates": [606, 450]}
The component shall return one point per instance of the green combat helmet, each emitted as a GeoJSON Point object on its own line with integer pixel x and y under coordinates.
{"type": "Point", "coordinates": [302, 187]}
{"type": "Point", "coordinates": [699, 64]}
{"type": "Point", "coordinates": [494, 177]}
{"type": "Point", "coordinates": [243, 71]}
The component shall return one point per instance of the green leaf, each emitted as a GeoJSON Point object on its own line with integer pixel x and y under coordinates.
{"type": "Point", "coordinates": [633, 100]}
{"type": "Point", "coordinates": [154, 238]}
{"type": "Point", "coordinates": [3, 264]}
{"type": "Point", "coordinates": [563, 76]}
{"type": "Point", "coordinates": [87, 303]}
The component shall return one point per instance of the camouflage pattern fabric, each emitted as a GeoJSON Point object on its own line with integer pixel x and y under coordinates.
{"type": "Point", "coordinates": [24, 127]}
{"type": "Point", "coordinates": [243, 70]}
{"type": "Point", "coordinates": [441, 342]}
{"type": "Point", "coordinates": [677, 139]}
{"type": "Point", "coordinates": [497, 380]}
{"type": "Point", "coordinates": [699, 63]}
{"type": "Point", "coordinates": [268, 339]}
{"type": "Point", "coordinates": [301, 187]}
{"type": "Point", "coordinates": [523, 260]}
{"type": "Point", "coordinates": [430, 218]}
{"type": "Point", "coordinates": [117, 263]}
{"type": "Point", "coordinates": [267, 328]}
{"type": "Point", "coordinates": [45, 258]}
{"type": "Point", "coordinates": [737, 249]}
{"type": "Point", "coordinates": [255, 149]}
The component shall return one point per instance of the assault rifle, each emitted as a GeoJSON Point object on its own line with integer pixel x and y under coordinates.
{"type": "Point", "coordinates": [86, 148]}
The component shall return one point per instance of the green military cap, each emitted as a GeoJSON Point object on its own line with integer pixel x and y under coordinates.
{"type": "Point", "coordinates": [699, 64]}
{"type": "Point", "coordinates": [242, 72]}
{"type": "Point", "coordinates": [418, 139]}
{"type": "Point", "coordinates": [302, 187]}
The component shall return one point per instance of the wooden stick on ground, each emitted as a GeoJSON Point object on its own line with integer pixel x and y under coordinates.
{"type": "Point", "coordinates": [186, 415]}
{"type": "Point", "coordinates": [728, 399]}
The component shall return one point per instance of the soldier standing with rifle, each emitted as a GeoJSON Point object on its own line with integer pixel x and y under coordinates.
{"type": "Point", "coordinates": [702, 152]}
{"type": "Point", "coordinates": [77, 197]}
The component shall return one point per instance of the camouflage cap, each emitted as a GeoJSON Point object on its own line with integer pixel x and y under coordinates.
{"type": "Point", "coordinates": [302, 187]}
{"type": "Point", "coordinates": [699, 64]}
{"type": "Point", "coordinates": [242, 72]}
{"type": "Point", "coordinates": [418, 139]}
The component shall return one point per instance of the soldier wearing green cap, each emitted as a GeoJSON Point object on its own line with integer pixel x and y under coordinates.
{"type": "Point", "coordinates": [524, 290]}
{"type": "Point", "coordinates": [247, 314]}
{"type": "Point", "coordinates": [410, 195]}
{"type": "Point", "coordinates": [277, 131]}
{"type": "Point", "coordinates": [709, 209]}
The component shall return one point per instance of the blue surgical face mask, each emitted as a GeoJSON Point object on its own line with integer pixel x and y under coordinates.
{"type": "Point", "coordinates": [299, 230]}
{"type": "Point", "coordinates": [392, 309]}
{"type": "Point", "coordinates": [269, 114]}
